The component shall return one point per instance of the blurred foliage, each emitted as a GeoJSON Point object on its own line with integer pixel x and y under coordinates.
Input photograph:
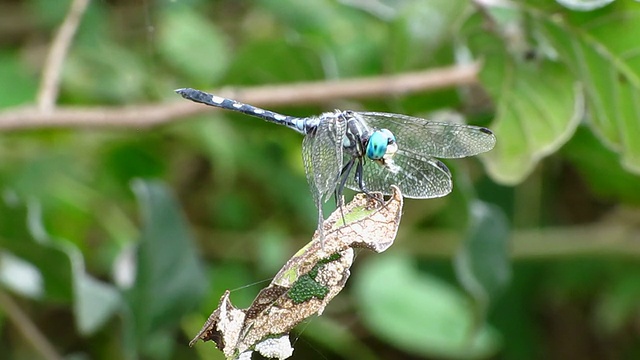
{"type": "Point", "coordinates": [119, 243]}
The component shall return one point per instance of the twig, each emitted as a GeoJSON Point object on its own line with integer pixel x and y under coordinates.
{"type": "Point", "coordinates": [49, 87]}
{"type": "Point", "coordinates": [28, 329]}
{"type": "Point", "coordinates": [616, 239]}
{"type": "Point", "coordinates": [546, 243]}
{"type": "Point", "coordinates": [271, 95]}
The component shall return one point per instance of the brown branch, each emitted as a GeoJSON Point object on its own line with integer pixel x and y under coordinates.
{"type": "Point", "coordinates": [271, 95]}
{"type": "Point", "coordinates": [50, 85]}
{"type": "Point", "coordinates": [546, 243]}
{"type": "Point", "coordinates": [616, 235]}
{"type": "Point", "coordinates": [27, 328]}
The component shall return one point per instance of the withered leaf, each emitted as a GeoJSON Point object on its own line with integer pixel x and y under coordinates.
{"type": "Point", "coordinates": [306, 283]}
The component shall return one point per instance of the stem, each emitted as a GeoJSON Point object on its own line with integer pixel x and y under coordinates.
{"type": "Point", "coordinates": [27, 328]}
{"type": "Point", "coordinates": [270, 95]}
{"type": "Point", "coordinates": [50, 85]}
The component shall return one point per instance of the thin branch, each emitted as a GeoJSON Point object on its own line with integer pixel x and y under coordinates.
{"type": "Point", "coordinates": [620, 238]}
{"type": "Point", "coordinates": [27, 328]}
{"type": "Point", "coordinates": [271, 95]}
{"type": "Point", "coordinates": [545, 243]}
{"type": "Point", "coordinates": [50, 85]}
{"type": "Point", "coordinates": [616, 233]}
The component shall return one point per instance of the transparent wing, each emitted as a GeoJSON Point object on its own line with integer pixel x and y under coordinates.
{"type": "Point", "coordinates": [418, 177]}
{"type": "Point", "coordinates": [322, 157]}
{"type": "Point", "coordinates": [425, 138]}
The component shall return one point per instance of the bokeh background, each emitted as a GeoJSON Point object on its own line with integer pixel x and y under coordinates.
{"type": "Point", "coordinates": [118, 238]}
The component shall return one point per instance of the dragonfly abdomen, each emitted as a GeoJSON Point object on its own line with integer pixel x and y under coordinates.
{"type": "Point", "coordinates": [292, 122]}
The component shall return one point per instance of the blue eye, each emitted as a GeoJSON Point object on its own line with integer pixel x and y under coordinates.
{"type": "Point", "coordinates": [377, 145]}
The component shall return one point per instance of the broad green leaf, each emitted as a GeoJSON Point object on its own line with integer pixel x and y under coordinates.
{"type": "Point", "coordinates": [419, 313]}
{"type": "Point", "coordinates": [62, 270]}
{"type": "Point", "coordinates": [602, 52]}
{"type": "Point", "coordinates": [482, 263]}
{"type": "Point", "coordinates": [538, 107]}
{"type": "Point", "coordinates": [170, 280]}
{"type": "Point", "coordinates": [16, 238]}
{"type": "Point", "coordinates": [192, 45]}
{"type": "Point", "coordinates": [95, 303]}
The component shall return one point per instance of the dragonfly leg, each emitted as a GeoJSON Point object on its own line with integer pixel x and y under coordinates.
{"type": "Point", "coordinates": [342, 180]}
{"type": "Point", "coordinates": [320, 223]}
{"type": "Point", "coordinates": [360, 180]}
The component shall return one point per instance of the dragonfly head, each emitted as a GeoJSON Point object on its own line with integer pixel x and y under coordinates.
{"type": "Point", "coordinates": [381, 145]}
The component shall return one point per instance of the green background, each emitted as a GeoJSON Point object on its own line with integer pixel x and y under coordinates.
{"type": "Point", "coordinates": [117, 242]}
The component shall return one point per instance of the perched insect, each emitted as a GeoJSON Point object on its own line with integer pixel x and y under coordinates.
{"type": "Point", "coordinates": [378, 149]}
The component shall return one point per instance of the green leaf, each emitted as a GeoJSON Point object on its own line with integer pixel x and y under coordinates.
{"type": "Point", "coordinates": [170, 280]}
{"type": "Point", "coordinates": [95, 303]}
{"type": "Point", "coordinates": [482, 263]}
{"type": "Point", "coordinates": [192, 45]}
{"type": "Point", "coordinates": [419, 313]}
{"type": "Point", "coordinates": [52, 263]}
{"type": "Point", "coordinates": [61, 268]}
{"type": "Point", "coordinates": [601, 51]}
{"type": "Point", "coordinates": [538, 107]}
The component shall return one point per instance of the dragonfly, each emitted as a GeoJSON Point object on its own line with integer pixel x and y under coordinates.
{"type": "Point", "coordinates": [370, 151]}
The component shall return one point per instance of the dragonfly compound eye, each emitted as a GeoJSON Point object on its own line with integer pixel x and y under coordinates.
{"type": "Point", "coordinates": [378, 142]}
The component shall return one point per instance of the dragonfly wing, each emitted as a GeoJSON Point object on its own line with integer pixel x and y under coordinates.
{"type": "Point", "coordinates": [417, 177]}
{"type": "Point", "coordinates": [322, 157]}
{"type": "Point", "coordinates": [426, 138]}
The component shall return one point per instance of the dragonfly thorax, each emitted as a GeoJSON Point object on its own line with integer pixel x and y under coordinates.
{"type": "Point", "coordinates": [356, 135]}
{"type": "Point", "coordinates": [361, 140]}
